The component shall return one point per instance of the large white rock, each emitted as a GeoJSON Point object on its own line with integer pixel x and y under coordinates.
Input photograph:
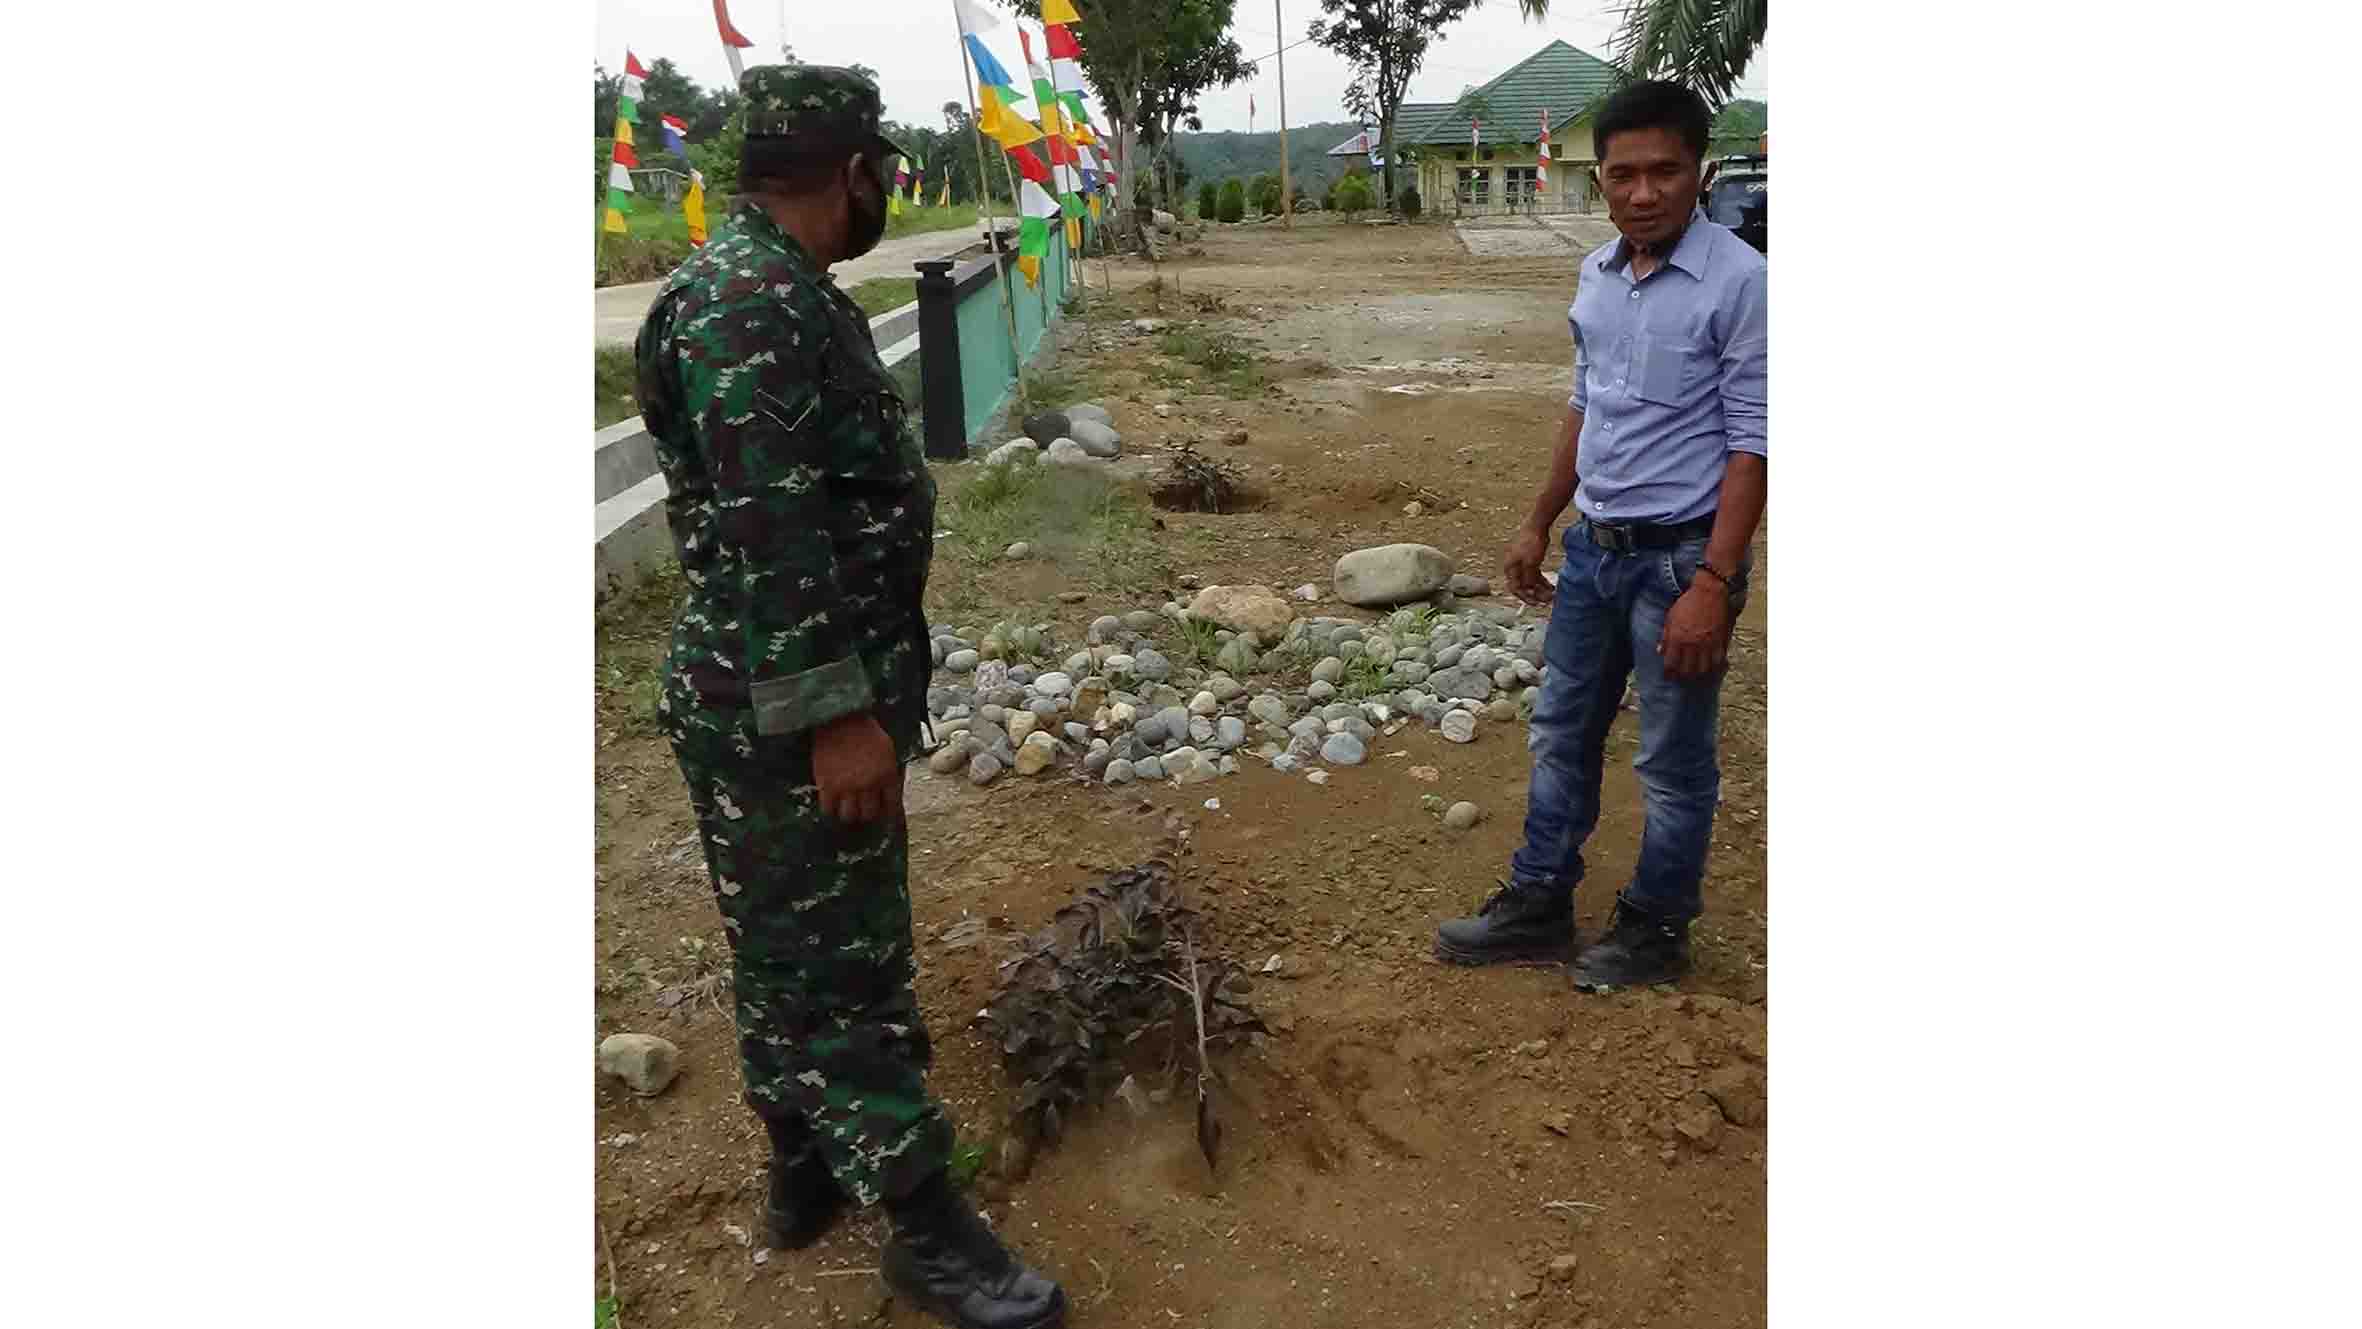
{"type": "Point", "coordinates": [644, 1062]}
{"type": "Point", "coordinates": [1021, 449]}
{"type": "Point", "coordinates": [1391, 574]}
{"type": "Point", "coordinates": [1256, 609]}
{"type": "Point", "coordinates": [1090, 410]}
{"type": "Point", "coordinates": [1067, 452]}
{"type": "Point", "coordinates": [1022, 724]}
{"type": "Point", "coordinates": [1097, 439]}
{"type": "Point", "coordinates": [1035, 754]}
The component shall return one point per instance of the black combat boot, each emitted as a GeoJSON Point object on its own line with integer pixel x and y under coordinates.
{"type": "Point", "coordinates": [946, 1259]}
{"type": "Point", "coordinates": [1523, 923]}
{"type": "Point", "coordinates": [804, 1201]}
{"type": "Point", "coordinates": [1639, 949]}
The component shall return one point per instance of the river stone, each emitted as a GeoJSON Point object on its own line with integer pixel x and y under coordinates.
{"type": "Point", "coordinates": [1067, 452]}
{"type": "Point", "coordinates": [1036, 754]}
{"type": "Point", "coordinates": [1204, 703]}
{"type": "Point", "coordinates": [1142, 620]}
{"type": "Point", "coordinates": [960, 662]}
{"type": "Point", "coordinates": [1237, 656]}
{"type": "Point", "coordinates": [1225, 689]}
{"type": "Point", "coordinates": [1459, 726]}
{"type": "Point", "coordinates": [1097, 760]}
{"type": "Point", "coordinates": [1469, 585]}
{"type": "Point", "coordinates": [1201, 730]}
{"type": "Point", "coordinates": [1269, 709]}
{"type": "Point", "coordinates": [1052, 684]}
{"type": "Point", "coordinates": [644, 1062]}
{"type": "Point", "coordinates": [1103, 630]}
{"type": "Point", "coordinates": [1150, 767]}
{"type": "Point", "coordinates": [1119, 771]}
{"type": "Point", "coordinates": [1256, 609]}
{"type": "Point", "coordinates": [984, 769]}
{"type": "Point", "coordinates": [1091, 411]}
{"type": "Point", "coordinates": [1328, 670]}
{"type": "Point", "coordinates": [1461, 683]}
{"type": "Point", "coordinates": [1356, 726]}
{"type": "Point", "coordinates": [1320, 692]}
{"type": "Point", "coordinates": [1229, 732]}
{"type": "Point", "coordinates": [1447, 657]}
{"type": "Point", "coordinates": [1502, 709]}
{"type": "Point", "coordinates": [1190, 766]}
{"type": "Point", "coordinates": [1046, 427]}
{"type": "Point", "coordinates": [1343, 750]}
{"type": "Point", "coordinates": [1021, 725]}
{"type": "Point", "coordinates": [1310, 726]}
{"type": "Point", "coordinates": [1462, 816]}
{"type": "Point", "coordinates": [1151, 665]}
{"type": "Point", "coordinates": [1121, 666]}
{"type": "Point", "coordinates": [952, 755]}
{"type": "Point", "coordinates": [1152, 731]}
{"type": "Point", "coordinates": [1391, 574]}
{"type": "Point", "coordinates": [1015, 450]}
{"type": "Point", "coordinates": [1079, 733]}
{"type": "Point", "coordinates": [1097, 439]}
{"type": "Point", "coordinates": [1410, 671]}
{"type": "Point", "coordinates": [1176, 721]}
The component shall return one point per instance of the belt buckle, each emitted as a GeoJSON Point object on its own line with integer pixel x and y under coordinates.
{"type": "Point", "coordinates": [1617, 539]}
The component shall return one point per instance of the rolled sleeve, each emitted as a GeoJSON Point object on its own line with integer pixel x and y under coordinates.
{"type": "Point", "coordinates": [762, 433]}
{"type": "Point", "coordinates": [1744, 368]}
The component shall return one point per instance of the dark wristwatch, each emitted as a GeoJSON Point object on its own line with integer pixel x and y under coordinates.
{"type": "Point", "coordinates": [1717, 574]}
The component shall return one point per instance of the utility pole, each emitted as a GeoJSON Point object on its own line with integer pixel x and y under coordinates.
{"type": "Point", "coordinates": [1287, 195]}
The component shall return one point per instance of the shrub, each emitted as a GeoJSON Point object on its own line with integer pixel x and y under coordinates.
{"type": "Point", "coordinates": [1353, 195]}
{"type": "Point", "coordinates": [1265, 193]}
{"type": "Point", "coordinates": [1234, 202]}
{"type": "Point", "coordinates": [1209, 201]}
{"type": "Point", "coordinates": [1410, 201]}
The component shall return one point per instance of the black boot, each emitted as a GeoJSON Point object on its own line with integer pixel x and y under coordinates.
{"type": "Point", "coordinates": [946, 1259]}
{"type": "Point", "coordinates": [1639, 949]}
{"type": "Point", "coordinates": [1522, 923]}
{"type": "Point", "coordinates": [804, 1201]}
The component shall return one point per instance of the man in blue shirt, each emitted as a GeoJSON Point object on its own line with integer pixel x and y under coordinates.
{"type": "Point", "coordinates": [1662, 461]}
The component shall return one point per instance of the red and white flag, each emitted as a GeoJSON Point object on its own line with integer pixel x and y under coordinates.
{"type": "Point", "coordinates": [1542, 153]}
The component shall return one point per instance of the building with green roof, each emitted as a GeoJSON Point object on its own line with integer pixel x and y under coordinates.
{"type": "Point", "coordinates": [1488, 166]}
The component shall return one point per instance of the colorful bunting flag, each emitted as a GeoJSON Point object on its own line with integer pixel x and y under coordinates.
{"type": "Point", "coordinates": [1034, 209]}
{"type": "Point", "coordinates": [894, 196]}
{"type": "Point", "coordinates": [1005, 127]}
{"type": "Point", "coordinates": [693, 206]}
{"type": "Point", "coordinates": [676, 135]}
{"type": "Point", "coordinates": [945, 200]}
{"type": "Point", "coordinates": [1030, 168]}
{"type": "Point", "coordinates": [1542, 154]}
{"type": "Point", "coordinates": [621, 161]}
{"type": "Point", "coordinates": [1059, 11]}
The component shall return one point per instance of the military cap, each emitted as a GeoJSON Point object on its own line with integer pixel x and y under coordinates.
{"type": "Point", "coordinates": [809, 109]}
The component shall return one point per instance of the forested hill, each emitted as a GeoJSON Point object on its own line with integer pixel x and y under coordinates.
{"type": "Point", "coordinates": [1220, 157]}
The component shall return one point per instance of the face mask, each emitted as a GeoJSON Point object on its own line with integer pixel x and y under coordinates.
{"type": "Point", "coordinates": [865, 222]}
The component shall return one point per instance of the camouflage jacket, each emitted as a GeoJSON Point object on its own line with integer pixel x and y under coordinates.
{"type": "Point", "coordinates": [799, 500]}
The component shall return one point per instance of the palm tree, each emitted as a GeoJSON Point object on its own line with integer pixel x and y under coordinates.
{"type": "Point", "coordinates": [1704, 45]}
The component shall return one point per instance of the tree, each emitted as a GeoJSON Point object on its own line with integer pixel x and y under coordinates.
{"type": "Point", "coordinates": [1209, 201]}
{"type": "Point", "coordinates": [1233, 206]}
{"type": "Point", "coordinates": [1264, 192]}
{"type": "Point", "coordinates": [1704, 45]}
{"type": "Point", "coordinates": [1385, 41]}
{"type": "Point", "coordinates": [1353, 194]}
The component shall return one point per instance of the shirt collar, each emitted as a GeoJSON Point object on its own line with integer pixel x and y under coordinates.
{"type": "Point", "coordinates": [761, 227]}
{"type": "Point", "coordinates": [1689, 255]}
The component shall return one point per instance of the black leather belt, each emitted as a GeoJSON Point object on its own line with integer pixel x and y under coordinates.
{"type": "Point", "coordinates": [1624, 539]}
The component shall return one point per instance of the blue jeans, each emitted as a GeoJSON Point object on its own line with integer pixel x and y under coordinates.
{"type": "Point", "coordinates": [1604, 625]}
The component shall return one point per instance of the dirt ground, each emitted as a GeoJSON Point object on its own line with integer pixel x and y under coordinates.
{"type": "Point", "coordinates": [1413, 1145]}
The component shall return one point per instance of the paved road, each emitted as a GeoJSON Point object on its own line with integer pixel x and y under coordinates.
{"type": "Point", "coordinates": [620, 308]}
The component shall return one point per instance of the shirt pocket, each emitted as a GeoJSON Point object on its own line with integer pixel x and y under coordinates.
{"type": "Point", "coordinates": [1672, 367]}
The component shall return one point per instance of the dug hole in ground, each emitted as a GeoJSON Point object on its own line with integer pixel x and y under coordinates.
{"type": "Point", "coordinates": [1410, 1144]}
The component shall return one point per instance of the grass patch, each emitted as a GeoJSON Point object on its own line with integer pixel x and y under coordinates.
{"type": "Point", "coordinates": [633, 631]}
{"type": "Point", "coordinates": [1057, 389]}
{"type": "Point", "coordinates": [1100, 532]}
{"type": "Point", "coordinates": [659, 236]}
{"type": "Point", "coordinates": [614, 384]}
{"type": "Point", "coordinates": [1363, 677]}
{"type": "Point", "coordinates": [1230, 361]}
{"type": "Point", "coordinates": [879, 294]}
{"type": "Point", "coordinates": [606, 1312]}
{"type": "Point", "coordinates": [967, 1163]}
{"type": "Point", "coordinates": [1197, 644]}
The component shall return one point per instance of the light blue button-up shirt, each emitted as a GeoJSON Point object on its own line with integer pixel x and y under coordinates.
{"type": "Point", "coordinates": [1669, 375]}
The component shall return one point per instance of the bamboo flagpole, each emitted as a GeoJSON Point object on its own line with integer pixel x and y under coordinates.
{"type": "Point", "coordinates": [1287, 202]}
{"type": "Point", "coordinates": [984, 198]}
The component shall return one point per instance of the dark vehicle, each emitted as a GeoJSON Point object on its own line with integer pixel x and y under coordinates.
{"type": "Point", "coordinates": [1734, 196]}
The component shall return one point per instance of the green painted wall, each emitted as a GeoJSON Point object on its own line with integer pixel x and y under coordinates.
{"type": "Point", "coordinates": [986, 381]}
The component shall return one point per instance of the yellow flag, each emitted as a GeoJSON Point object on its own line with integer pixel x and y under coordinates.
{"type": "Point", "coordinates": [1032, 268]}
{"type": "Point", "coordinates": [894, 204]}
{"type": "Point", "coordinates": [1074, 233]}
{"type": "Point", "coordinates": [623, 130]}
{"type": "Point", "coordinates": [988, 119]}
{"type": "Point", "coordinates": [693, 208]}
{"type": "Point", "coordinates": [1059, 11]}
{"type": "Point", "coordinates": [614, 224]}
{"type": "Point", "coordinates": [945, 200]}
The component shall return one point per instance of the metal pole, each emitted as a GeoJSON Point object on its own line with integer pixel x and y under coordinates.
{"type": "Point", "coordinates": [991, 219]}
{"type": "Point", "coordinates": [1287, 202]}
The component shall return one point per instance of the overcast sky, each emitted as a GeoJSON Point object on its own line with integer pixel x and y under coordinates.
{"type": "Point", "coordinates": [913, 46]}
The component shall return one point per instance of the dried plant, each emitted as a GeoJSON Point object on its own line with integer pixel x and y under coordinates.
{"type": "Point", "coordinates": [1194, 482]}
{"type": "Point", "coordinates": [1120, 962]}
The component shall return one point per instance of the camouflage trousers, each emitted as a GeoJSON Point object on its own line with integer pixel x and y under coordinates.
{"type": "Point", "coordinates": [818, 914]}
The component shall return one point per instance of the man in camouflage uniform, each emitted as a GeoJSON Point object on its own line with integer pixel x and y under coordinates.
{"type": "Point", "coordinates": [795, 687]}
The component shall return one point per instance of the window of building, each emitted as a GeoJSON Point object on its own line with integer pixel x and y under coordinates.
{"type": "Point", "coordinates": [1476, 186]}
{"type": "Point", "coordinates": [1518, 187]}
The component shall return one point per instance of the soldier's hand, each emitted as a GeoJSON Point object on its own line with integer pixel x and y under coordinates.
{"type": "Point", "coordinates": [853, 762]}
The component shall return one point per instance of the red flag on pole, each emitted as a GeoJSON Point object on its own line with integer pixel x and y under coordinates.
{"type": "Point", "coordinates": [631, 66]}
